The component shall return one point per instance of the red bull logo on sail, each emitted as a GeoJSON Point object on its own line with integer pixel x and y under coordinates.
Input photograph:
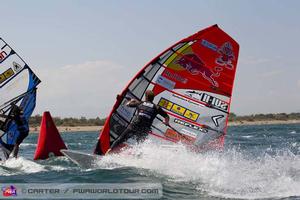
{"type": "Point", "coordinates": [194, 65]}
{"type": "Point", "coordinates": [226, 56]}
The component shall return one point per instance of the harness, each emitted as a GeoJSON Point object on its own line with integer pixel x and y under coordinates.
{"type": "Point", "coordinates": [147, 111]}
{"type": "Point", "coordinates": [22, 124]}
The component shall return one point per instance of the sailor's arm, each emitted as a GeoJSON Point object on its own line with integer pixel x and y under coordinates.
{"type": "Point", "coordinates": [130, 102]}
{"type": "Point", "coordinates": [6, 116]}
{"type": "Point", "coordinates": [164, 114]}
{"type": "Point", "coordinates": [133, 103]}
{"type": "Point", "coordinates": [167, 119]}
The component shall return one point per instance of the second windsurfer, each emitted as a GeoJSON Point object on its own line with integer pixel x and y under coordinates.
{"type": "Point", "coordinates": [22, 126]}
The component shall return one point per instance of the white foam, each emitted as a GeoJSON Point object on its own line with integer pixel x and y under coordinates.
{"type": "Point", "coordinates": [59, 168]}
{"type": "Point", "coordinates": [27, 145]}
{"type": "Point", "coordinates": [247, 136]}
{"type": "Point", "coordinates": [51, 164]}
{"type": "Point", "coordinates": [21, 165]}
{"type": "Point", "coordinates": [3, 172]}
{"type": "Point", "coordinates": [230, 174]}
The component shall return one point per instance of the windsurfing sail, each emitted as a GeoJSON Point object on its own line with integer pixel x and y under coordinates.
{"type": "Point", "coordinates": [18, 85]}
{"type": "Point", "coordinates": [192, 81]}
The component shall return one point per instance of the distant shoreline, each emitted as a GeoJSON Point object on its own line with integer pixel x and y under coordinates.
{"type": "Point", "coordinates": [67, 129]}
{"type": "Point", "coordinates": [263, 122]}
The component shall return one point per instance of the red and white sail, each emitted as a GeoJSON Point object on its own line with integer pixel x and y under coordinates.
{"type": "Point", "coordinates": [193, 82]}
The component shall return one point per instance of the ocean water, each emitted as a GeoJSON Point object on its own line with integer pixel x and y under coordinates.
{"type": "Point", "coordinates": [258, 162]}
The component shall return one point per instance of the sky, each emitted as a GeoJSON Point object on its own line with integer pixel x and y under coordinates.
{"type": "Point", "coordinates": [86, 51]}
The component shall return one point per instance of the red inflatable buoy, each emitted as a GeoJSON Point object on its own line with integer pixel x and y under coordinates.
{"type": "Point", "coordinates": [50, 142]}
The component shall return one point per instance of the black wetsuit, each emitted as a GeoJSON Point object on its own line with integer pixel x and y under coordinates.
{"type": "Point", "coordinates": [141, 124]}
{"type": "Point", "coordinates": [23, 128]}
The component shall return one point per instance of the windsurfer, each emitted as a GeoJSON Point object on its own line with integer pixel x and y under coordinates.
{"type": "Point", "coordinates": [141, 124]}
{"type": "Point", "coordinates": [18, 117]}
{"type": "Point", "coordinates": [23, 129]}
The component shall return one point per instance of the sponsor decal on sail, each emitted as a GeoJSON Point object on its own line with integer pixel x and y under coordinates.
{"type": "Point", "coordinates": [189, 125]}
{"type": "Point", "coordinates": [209, 99]}
{"type": "Point", "coordinates": [178, 109]}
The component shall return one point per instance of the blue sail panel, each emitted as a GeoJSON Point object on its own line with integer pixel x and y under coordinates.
{"type": "Point", "coordinates": [27, 105]}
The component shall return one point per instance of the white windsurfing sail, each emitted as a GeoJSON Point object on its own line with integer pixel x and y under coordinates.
{"type": "Point", "coordinates": [18, 86]}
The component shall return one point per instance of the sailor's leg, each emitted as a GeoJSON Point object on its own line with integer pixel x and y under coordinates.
{"type": "Point", "coordinates": [15, 150]}
{"type": "Point", "coordinates": [122, 138]}
{"type": "Point", "coordinates": [20, 139]}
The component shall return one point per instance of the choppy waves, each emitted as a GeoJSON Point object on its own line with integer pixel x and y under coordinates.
{"type": "Point", "coordinates": [229, 174]}
{"type": "Point", "coordinates": [259, 162]}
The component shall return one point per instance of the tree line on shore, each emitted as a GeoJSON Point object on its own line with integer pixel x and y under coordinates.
{"type": "Point", "coordinates": [35, 121]}
{"type": "Point", "coordinates": [265, 117]}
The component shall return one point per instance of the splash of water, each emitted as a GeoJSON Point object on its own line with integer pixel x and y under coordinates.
{"type": "Point", "coordinates": [229, 174]}
{"type": "Point", "coordinates": [20, 165]}
{"type": "Point", "coordinates": [28, 145]}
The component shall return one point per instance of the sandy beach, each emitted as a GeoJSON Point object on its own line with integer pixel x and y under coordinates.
{"type": "Point", "coordinates": [63, 129]}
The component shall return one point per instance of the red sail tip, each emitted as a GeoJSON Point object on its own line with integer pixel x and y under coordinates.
{"type": "Point", "coordinates": [49, 142]}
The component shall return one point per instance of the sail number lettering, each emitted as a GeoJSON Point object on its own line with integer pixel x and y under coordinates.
{"type": "Point", "coordinates": [206, 98]}
{"type": "Point", "coordinates": [6, 75]}
{"type": "Point", "coordinates": [177, 109]}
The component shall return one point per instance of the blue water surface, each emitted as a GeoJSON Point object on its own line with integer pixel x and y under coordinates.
{"type": "Point", "coordinates": [258, 162]}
